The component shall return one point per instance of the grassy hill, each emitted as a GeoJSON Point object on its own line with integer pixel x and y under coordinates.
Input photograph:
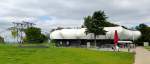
{"type": "Point", "coordinates": [14, 55]}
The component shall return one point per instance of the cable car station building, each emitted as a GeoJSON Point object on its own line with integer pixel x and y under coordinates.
{"type": "Point", "coordinates": [78, 37]}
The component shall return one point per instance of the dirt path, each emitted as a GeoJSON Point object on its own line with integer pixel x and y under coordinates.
{"type": "Point", "coordinates": [142, 56]}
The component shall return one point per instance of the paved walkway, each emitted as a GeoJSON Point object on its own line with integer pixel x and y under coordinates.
{"type": "Point", "coordinates": [142, 56]}
{"type": "Point", "coordinates": [110, 49]}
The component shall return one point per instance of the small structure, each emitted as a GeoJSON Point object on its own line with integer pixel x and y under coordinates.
{"type": "Point", "coordinates": [146, 43]}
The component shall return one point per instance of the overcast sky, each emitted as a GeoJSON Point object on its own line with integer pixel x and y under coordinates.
{"type": "Point", "coordinates": [50, 13]}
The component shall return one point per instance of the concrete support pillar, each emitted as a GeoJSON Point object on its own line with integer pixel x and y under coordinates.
{"type": "Point", "coordinates": [67, 43]}
{"type": "Point", "coordinates": [61, 43]}
{"type": "Point", "coordinates": [88, 44]}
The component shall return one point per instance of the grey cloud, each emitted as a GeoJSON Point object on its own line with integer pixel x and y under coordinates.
{"type": "Point", "coordinates": [123, 11]}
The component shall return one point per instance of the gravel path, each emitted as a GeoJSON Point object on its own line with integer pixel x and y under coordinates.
{"type": "Point", "coordinates": [142, 56]}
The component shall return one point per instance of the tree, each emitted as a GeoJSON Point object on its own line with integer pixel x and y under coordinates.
{"type": "Point", "coordinates": [145, 30]}
{"type": "Point", "coordinates": [1, 39]}
{"type": "Point", "coordinates": [95, 24]}
{"type": "Point", "coordinates": [141, 27]}
{"type": "Point", "coordinates": [34, 35]}
{"type": "Point", "coordinates": [14, 33]}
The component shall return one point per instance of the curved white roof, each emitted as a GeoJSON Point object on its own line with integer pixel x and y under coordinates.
{"type": "Point", "coordinates": [80, 34]}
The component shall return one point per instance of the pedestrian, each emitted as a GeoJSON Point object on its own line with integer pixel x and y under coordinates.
{"type": "Point", "coordinates": [117, 48]}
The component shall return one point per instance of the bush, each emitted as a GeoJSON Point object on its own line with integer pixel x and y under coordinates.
{"type": "Point", "coordinates": [34, 35]}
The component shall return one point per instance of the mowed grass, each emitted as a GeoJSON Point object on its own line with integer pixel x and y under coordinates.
{"type": "Point", "coordinates": [148, 48]}
{"type": "Point", "coordinates": [14, 55]}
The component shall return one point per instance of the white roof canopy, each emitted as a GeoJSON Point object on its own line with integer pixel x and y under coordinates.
{"type": "Point", "coordinates": [80, 34]}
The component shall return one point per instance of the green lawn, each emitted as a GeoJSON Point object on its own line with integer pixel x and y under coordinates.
{"type": "Point", "coordinates": [148, 48]}
{"type": "Point", "coordinates": [13, 55]}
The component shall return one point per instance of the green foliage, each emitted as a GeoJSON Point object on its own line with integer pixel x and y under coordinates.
{"type": "Point", "coordinates": [15, 55]}
{"type": "Point", "coordinates": [34, 35]}
{"type": "Point", "coordinates": [145, 30]}
{"type": "Point", "coordinates": [52, 43]}
{"type": "Point", "coordinates": [148, 48]}
{"type": "Point", "coordinates": [1, 39]}
{"type": "Point", "coordinates": [141, 27]}
{"type": "Point", "coordinates": [44, 38]}
{"type": "Point", "coordinates": [98, 16]}
{"type": "Point", "coordinates": [109, 24]}
{"type": "Point", "coordinates": [95, 23]}
{"type": "Point", "coordinates": [14, 33]}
